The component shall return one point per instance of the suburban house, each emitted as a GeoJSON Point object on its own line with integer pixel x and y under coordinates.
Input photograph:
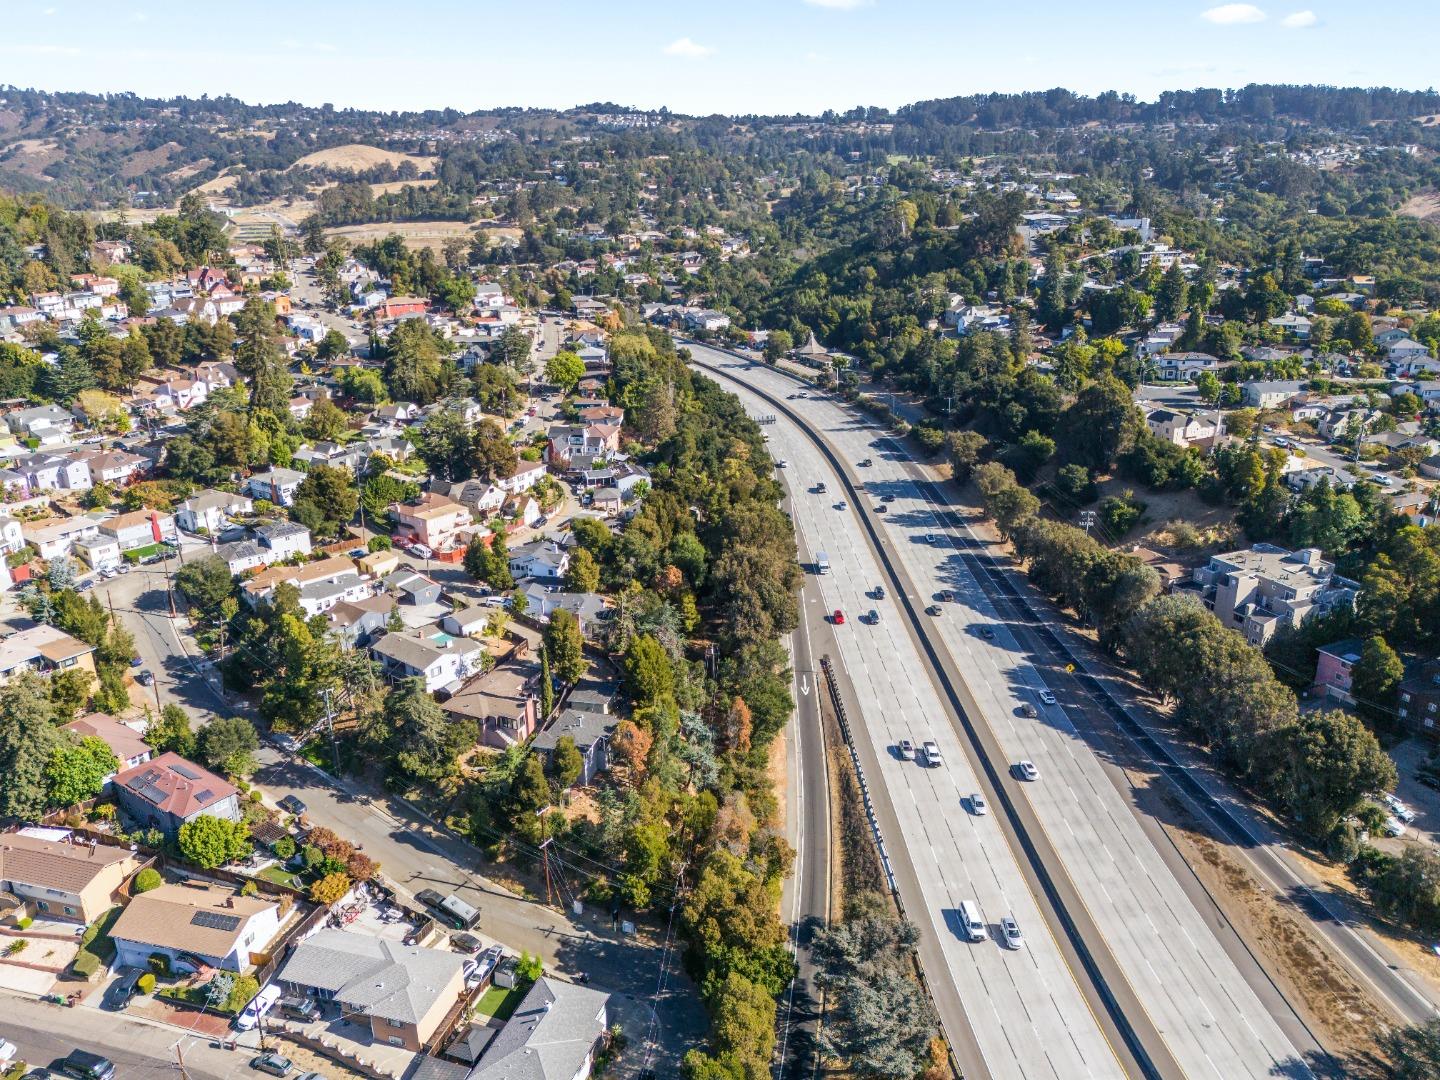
{"type": "Point", "coordinates": [322, 584]}
{"type": "Point", "coordinates": [569, 442]}
{"type": "Point", "coordinates": [1406, 348]}
{"type": "Point", "coordinates": [403, 992]}
{"type": "Point", "coordinates": [124, 742]}
{"type": "Point", "coordinates": [55, 538]}
{"type": "Point", "coordinates": [413, 588]}
{"type": "Point", "coordinates": [504, 701]}
{"type": "Point", "coordinates": [590, 729]}
{"type": "Point", "coordinates": [379, 563]}
{"type": "Point", "coordinates": [1185, 366]}
{"type": "Point", "coordinates": [1294, 326]}
{"type": "Point", "coordinates": [139, 528]}
{"type": "Point", "coordinates": [211, 510]}
{"type": "Point", "coordinates": [53, 472]}
{"type": "Point", "coordinates": [195, 924]}
{"type": "Point", "coordinates": [434, 520]}
{"type": "Point", "coordinates": [114, 467]}
{"type": "Point", "coordinates": [1419, 703]}
{"type": "Point", "coordinates": [43, 649]}
{"type": "Point", "coordinates": [440, 659]}
{"type": "Point", "coordinates": [1270, 394]}
{"type": "Point", "coordinates": [1264, 588]}
{"type": "Point", "coordinates": [467, 622]}
{"type": "Point", "coordinates": [242, 555]}
{"type": "Point", "coordinates": [282, 539]}
{"type": "Point", "coordinates": [1181, 428]}
{"type": "Point", "coordinates": [526, 475]}
{"type": "Point", "coordinates": [277, 485]}
{"type": "Point", "coordinates": [588, 608]}
{"type": "Point", "coordinates": [481, 497]}
{"type": "Point", "coordinates": [357, 622]}
{"type": "Point", "coordinates": [168, 791]}
{"type": "Point", "coordinates": [1334, 667]}
{"type": "Point", "coordinates": [50, 424]}
{"type": "Point", "coordinates": [65, 879]}
{"type": "Point", "coordinates": [12, 535]}
{"type": "Point", "coordinates": [554, 1034]}
{"type": "Point", "coordinates": [539, 559]}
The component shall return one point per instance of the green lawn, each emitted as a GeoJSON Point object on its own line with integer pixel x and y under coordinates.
{"type": "Point", "coordinates": [499, 1002]}
{"type": "Point", "coordinates": [280, 876]}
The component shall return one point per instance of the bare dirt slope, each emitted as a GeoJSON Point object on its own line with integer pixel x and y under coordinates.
{"type": "Point", "coordinates": [358, 156]}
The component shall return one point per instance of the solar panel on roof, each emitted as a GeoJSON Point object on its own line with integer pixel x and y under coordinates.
{"type": "Point", "coordinates": [205, 796]}
{"type": "Point", "coordinates": [185, 771]}
{"type": "Point", "coordinates": [213, 920]}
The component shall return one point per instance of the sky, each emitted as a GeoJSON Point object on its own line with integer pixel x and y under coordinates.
{"type": "Point", "coordinates": [733, 56]}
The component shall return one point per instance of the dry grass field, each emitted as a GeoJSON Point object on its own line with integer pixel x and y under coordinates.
{"type": "Point", "coordinates": [358, 156]}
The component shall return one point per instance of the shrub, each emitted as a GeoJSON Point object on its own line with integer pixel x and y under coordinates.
{"type": "Point", "coordinates": [160, 964]}
{"type": "Point", "coordinates": [145, 880]}
{"type": "Point", "coordinates": [284, 847]}
{"type": "Point", "coordinates": [19, 945]}
{"type": "Point", "coordinates": [146, 983]}
{"type": "Point", "coordinates": [249, 889]}
{"type": "Point", "coordinates": [24, 922]}
{"type": "Point", "coordinates": [1120, 514]}
{"type": "Point", "coordinates": [86, 964]}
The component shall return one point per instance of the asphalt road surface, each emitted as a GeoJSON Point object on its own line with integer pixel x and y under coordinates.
{"type": "Point", "coordinates": [1194, 994]}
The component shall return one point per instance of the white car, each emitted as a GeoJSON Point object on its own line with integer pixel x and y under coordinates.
{"type": "Point", "coordinates": [932, 753]}
{"type": "Point", "coordinates": [1394, 826]}
{"type": "Point", "coordinates": [7, 1050]}
{"type": "Point", "coordinates": [1027, 770]}
{"type": "Point", "coordinates": [420, 551]}
{"type": "Point", "coordinates": [978, 806]}
{"type": "Point", "coordinates": [1047, 697]}
{"type": "Point", "coordinates": [1399, 809]}
{"type": "Point", "coordinates": [1010, 933]}
{"type": "Point", "coordinates": [907, 750]}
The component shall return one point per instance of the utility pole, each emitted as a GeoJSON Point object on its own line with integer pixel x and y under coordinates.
{"type": "Point", "coordinates": [330, 727]}
{"type": "Point", "coordinates": [1087, 519]}
{"type": "Point", "coordinates": [180, 1060]}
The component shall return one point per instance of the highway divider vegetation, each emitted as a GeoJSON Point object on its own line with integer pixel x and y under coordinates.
{"type": "Point", "coordinates": [1313, 770]}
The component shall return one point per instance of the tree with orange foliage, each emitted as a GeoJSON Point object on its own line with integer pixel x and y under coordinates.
{"type": "Point", "coordinates": [631, 744]}
{"type": "Point", "coordinates": [737, 727]}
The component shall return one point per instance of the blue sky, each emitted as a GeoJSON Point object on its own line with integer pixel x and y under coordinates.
{"type": "Point", "coordinates": [772, 56]}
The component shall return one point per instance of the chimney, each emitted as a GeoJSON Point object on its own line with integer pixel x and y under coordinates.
{"type": "Point", "coordinates": [229, 901]}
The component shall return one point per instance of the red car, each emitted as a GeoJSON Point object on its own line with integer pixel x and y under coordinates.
{"type": "Point", "coordinates": [839, 617]}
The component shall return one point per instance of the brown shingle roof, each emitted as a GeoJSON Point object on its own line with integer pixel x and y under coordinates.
{"type": "Point", "coordinates": [122, 740]}
{"type": "Point", "coordinates": [167, 917]}
{"type": "Point", "coordinates": [54, 864]}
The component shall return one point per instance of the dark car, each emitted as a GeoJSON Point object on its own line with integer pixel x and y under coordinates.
{"type": "Point", "coordinates": [882, 508]}
{"type": "Point", "coordinates": [147, 678]}
{"type": "Point", "coordinates": [933, 609]}
{"type": "Point", "coordinates": [122, 990]}
{"type": "Point", "coordinates": [83, 1065]}
{"type": "Point", "coordinates": [987, 633]}
{"type": "Point", "coordinates": [291, 805]}
{"type": "Point", "coordinates": [467, 943]}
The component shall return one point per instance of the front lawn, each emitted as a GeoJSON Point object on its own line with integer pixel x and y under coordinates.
{"type": "Point", "coordinates": [280, 876]}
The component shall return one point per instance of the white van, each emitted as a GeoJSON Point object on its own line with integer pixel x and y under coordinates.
{"type": "Point", "coordinates": [971, 923]}
{"type": "Point", "coordinates": [259, 1006]}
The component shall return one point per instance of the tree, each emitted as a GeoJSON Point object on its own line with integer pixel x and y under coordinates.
{"type": "Point", "coordinates": [77, 770]}
{"type": "Point", "coordinates": [1208, 387]}
{"type": "Point", "coordinates": [325, 421]}
{"type": "Point", "coordinates": [477, 558]}
{"type": "Point", "coordinates": [171, 732]}
{"type": "Point", "coordinates": [564, 644]}
{"type": "Point", "coordinates": [496, 390]}
{"type": "Point", "coordinates": [1333, 761]}
{"type": "Point", "coordinates": [1100, 425]}
{"type": "Point", "coordinates": [964, 449]}
{"type": "Point", "coordinates": [565, 369]}
{"type": "Point", "coordinates": [648, 675]}
{"type": "Point", "coordinates": [260, 358]}
{"type": "Point", "coordinates": [209, 842]}
{"type": "Point", "coordinates": [413, 356]}
{"type": "Point", "coordinates": [777, 344]}
{"type": "Point", "coordinates": [566, 764]}
{"type": "Point", "coordinates": [1172, 293]}
{"type": "Point", "coordinates": [497, 570]}
{"type": "Point", "coordinates": [424, 751]}
{"type": "Point", "coordinates": [330, 889]}
{"type": "Point", "coordinates": [145, 880]}
{"type": "Point", "coordinates": [69, 691]}
{"type": "Point", "coordinates": [1413, 1051]}
{"type": "Point", "coordinates": [547, 685]}
{"type": "Point", "coordinates": [512, 349]}
{"type": "Point", "coordinates": [1375, 679]}
{"type": "Point", "coordinates": [363, 385]}
{"type": "Point", "coordinates": [632, 744]}
{"type": "Point", "coordinates": [492, 455]}
{"type": "Point", "coordinates": [28, 735]}
{"type": "Point", "coordinates": [228, 744]}
{"type": "Point", "coordinates": [583, 575]}
{"type": "Point", "coordinates": [206, 583]}
{"type": "Point", "coordinates": [326, 499]}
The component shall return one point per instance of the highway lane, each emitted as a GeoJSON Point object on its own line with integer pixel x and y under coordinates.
{"type": "Point", "coordinates": [1209, 1011]}
{"type": "Point", "coordinates": [1007, 1013]}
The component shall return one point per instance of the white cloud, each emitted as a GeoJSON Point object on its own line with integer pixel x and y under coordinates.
{"type": "Point", "coordinates": [139, 17]}
{"type": "Point", "coordinates": [1233, 14]}
{"type": "Point", "coordinates": [1300, 20]}
{"type": "Point", "coordinates": [686, 48]}
{"type": "Point", "coordinates": [839, 5]}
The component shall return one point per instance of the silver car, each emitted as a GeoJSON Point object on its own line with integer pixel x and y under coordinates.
{"type": "Point", "coordinates": [1010, 933]}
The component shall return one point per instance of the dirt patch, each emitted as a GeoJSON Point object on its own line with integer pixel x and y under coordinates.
{"type": "Point", "coordinates": [1425, 206]}
{"type": "Point", "coordinates": [358, 157]}
{"type": "Point", "coordinates": [187, 171]}
{"type": "Point", "coordinates": [777, 768]}
{"type": "Point", "coordinates": [1333, 1004]}
{"type": "Point", "coordinates": [218, 186]}
{"type": "Point", "coordinates": [145, 161]}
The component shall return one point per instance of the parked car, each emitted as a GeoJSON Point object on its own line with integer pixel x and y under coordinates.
{"type": "Point", "coordinates": [1394, 826]}
{"type": "Point", "coordinates": [291, 805]}
{"type": "Point", "coordinates": [83, 1065]}
{"type": "Point", "coordinates": [259, 1007]}
{"type": "Point", "coordinates": [946, 596]}
{"type": "Point", "coordinates": [931, 538]}
{"type": "Point", "coordinates": [420, 551]}
{"type": "Point", "coordinates": [122, 990]}
{"type": "Point", "coordinates": [986, 633]}
{"type": "Point", "coordinates": [147, 678]}
{"type": "Point", "coordinates": [274, 1064]}
{"type": "Point", "coordinates": [467, 943]}
{"type": "Point", "coordinates": [1026, 770]}
{"type": "Point", "coordinates": [8, 1050]}
{"type": "Point", "coordinates": [1010, 933]}
{"type": "Point", "coordinates": [907, 750]}
{"type": "Point", "coordinates": [487, 961]}
{"type": "Point", "coordinates": [135, 661]}
{"type": "Point", "coordinates": [933, 609]}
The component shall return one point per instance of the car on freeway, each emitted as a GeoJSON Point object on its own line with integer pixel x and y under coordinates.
{"type": "Point", "coordinates": [820, 488]}
{"type": "Point", "coordinates": [781, 464]}
{"type": "Point", "coordinates": [1047, 697]}
{"type": "Point", "coordinates": [978, 806]}
{"type": "Point", "coordinates": [839, 617]}
{"type": "Point", "coordinates": [1026, 770]}
{"type": "Point", "coordinates": [1010, 933]}
{"type": "Point", "coordinates": [932, 753]}
{"type": "Point", "coordinates": [1026, 709]}
{"type": "Point", "coordinates": [878, 592]}
{"type": "Point", "coordinates": [873, 618]}
{"type": "Point", "coordinates": [866, 463]}
{"type": "Point", "coordinates": [842, 505]}
{"type": "Point", "coordinates": [933, 609]}
{"type": "Point", "coordinates": [881, 509]}
{"type": "Point", "coordinates": [887, 498]}
{"type": "Point", "coordinates": [274, 1064]}
{"type": "Point", "coordinates": [906, 749]}
{"type": "Point", "coordinates": [946, 596]}
{"type": "Point", "coordinates": [986, 633]}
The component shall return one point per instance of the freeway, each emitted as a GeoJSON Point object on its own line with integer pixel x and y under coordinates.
{"type": "Point", "coordinates": [1007, 1013]}
{"type": "Point", "coordinates": [1156, 919]}
{"type": "Point", "coordinates": [1117, 720]}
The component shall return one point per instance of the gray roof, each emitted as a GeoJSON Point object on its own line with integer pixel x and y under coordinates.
{"type": "Point", "coordinates": [373, 975]}
{"type": "Point", "coordinates": [549, 1036]}
{"type": "Point", "coordinates": [278, 529]}
{"type": "Point", "coordinates": [241, 549]}
{"type": "Point", "coordinates": [420, 652]}
{"type": "Point", "coordinates": [586, 728]}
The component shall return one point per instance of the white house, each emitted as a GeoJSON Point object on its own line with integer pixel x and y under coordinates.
{"type": "Point", "coordinates": [440, 660]}
{"type": "Point", "coordinates": [1187, 366]}
{"type": "Point", "coordinates": [283, 539]}
{"type": "Point", "coordinates": [55, 538]}
{"type": "Point", "coordinates": [539, 559]}
{"type": "Point", "coordinates": [99, 552]}
{"type": "Point", "coordinates": [210, 510]}
{"type": "Point", "coordinates": [12, 536]}
{"type": "Point", "coordinates": [139, 528]}
{"type": "Point", "coordinates": [193, 924]}
{"type": "Point", "coordinates": [1180, 428]}
{"type": "Point", "coordinates": [527, 474]}
{"type": "Point", "coordinates": [49, 423]}
{"type": "Point", "coordinates": [277, 485]}
{"type": "Point", "coordinates": [1406, 348]}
